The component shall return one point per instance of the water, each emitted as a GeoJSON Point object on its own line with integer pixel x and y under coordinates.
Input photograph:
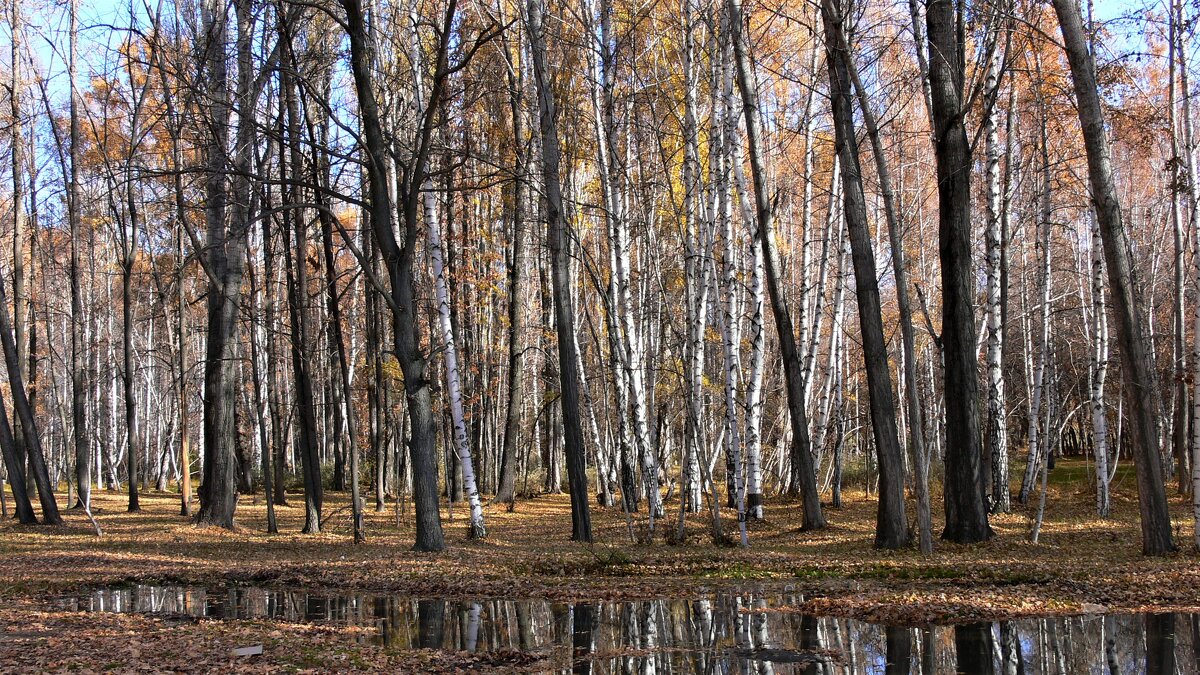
{"type": "Point", "coordinates": [737, 631]}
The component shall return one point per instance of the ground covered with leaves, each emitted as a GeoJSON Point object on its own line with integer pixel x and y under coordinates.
{"type": "Point", "coordinates": [1081, 564]}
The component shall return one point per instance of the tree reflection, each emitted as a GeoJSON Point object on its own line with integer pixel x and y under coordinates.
{"type": "Point", "coordinates": [973, 647]}
{"type": "Point", "coordinates": [726, 633]}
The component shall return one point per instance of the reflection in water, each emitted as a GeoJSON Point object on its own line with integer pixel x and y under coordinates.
{"type": "Point", "coordinates": [1160, 644]}
{"type": "Point", "coordinates": [430, 623]}
{"type": "Point", "coordinates": [725, 633]}
{"type": "Point", "coordinates": [582, 625]}
{"type": "Point", "coordinates": [973, 647]}
{"type": "Point", "coordinates": [899, 650]}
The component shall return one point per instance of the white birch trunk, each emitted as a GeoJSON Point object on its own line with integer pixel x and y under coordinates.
{"type": "Point", "coordinates": [833, 378]}
{"type": "Point", "coordinates": [696, 277]}
{"type": "Point", "coordinates": [453, 385]}
{"type": "Point", "coordinates": [803, 313]}
{"type": "Point", "coordinates": [997, 414]}
{"type": "Point", "coordinates": [832, 223]}
{"type": "Point", "coordinates": [754, 386]}
{"type": "Point", "coordinates": [624, 344]}
{"type": "Point", "coordinates": [618, 355]}
{"type": "Point", "coordinates": [1099, 370]}
{"type": "Point", "coordinates": [1033, 461]}
{"type": "Point", "coordinates": [731, 320]}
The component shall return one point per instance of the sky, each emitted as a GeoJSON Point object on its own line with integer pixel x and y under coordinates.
{"type": "Point", "coordinates": [47, 18]}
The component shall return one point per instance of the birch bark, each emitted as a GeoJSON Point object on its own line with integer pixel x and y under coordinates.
{"type": "Point", "coordinates": [476, 529]}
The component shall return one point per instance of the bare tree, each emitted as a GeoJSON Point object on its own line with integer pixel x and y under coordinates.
{"type": "Point", "coordinates": [966, 510]}
{"type": "Point", "coordinates": [1152, 501]}
{"type": "Point", "coordinates": [891, 526]}
{"type": "Point", "coordinates": [801, 455]}
{"type": "Point", "coordinates": [560, 261]}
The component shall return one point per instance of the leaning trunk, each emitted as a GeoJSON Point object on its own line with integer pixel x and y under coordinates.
{"type": "Point", "coordinates": [891, 527]}
{"type": "Point", "coordinates": [801, 454]}
{"type": "Point", "coordinates": [1152, 500]}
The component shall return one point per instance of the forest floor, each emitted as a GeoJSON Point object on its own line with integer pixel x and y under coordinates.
{"type": "Point", "coordinates": [1082, 564]}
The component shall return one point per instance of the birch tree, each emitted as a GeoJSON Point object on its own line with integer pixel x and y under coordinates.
{"type": "Point", "coordinates": [996, 440]}
{"type": "Point", "coordinates": [1098, 371]}
{"type": "Point", "coordinates": [476, 529]}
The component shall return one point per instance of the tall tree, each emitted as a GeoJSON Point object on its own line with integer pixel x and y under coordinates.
{"type": "Point", "coordinates": [20, 223]}
{"type": "Point", "coordinates": [996, 433]}
{"type": "Point", "coordinates": [295, 231]}
{"type": "Point", "coordinates": [79, 379]}
{"type": "Point", "coordinates": [1136, 362]}
{"type": "Point", "coordinates": [128, 222]}
{"type": "Point", "coordinates": [965, 505]}
{"type": "Point", "coordinates": [173, 127]}
{"type": "Point", "coordinates": [517, 274]}
{"type": "Point", "coordinates": [1178, 187]}
{"type": "Point", "coordinates": [227, 233]}
{"type": "Point", "coordinates": [560, 261]}
{"type": "Point", "coordinates": [912, 386]}
{"type": "Point", "coordinates": [891, 526]}
{"type": "Point", "coordinates": [696, 273]}
{"type": "Point", "coordinates": [1098, 370]}
{"type": "Point", "coordinates": [336, 332]}
{"type": "Point", "coordinates": [399, 256]}
{"type": "Point", "coordinates": [801, 453]}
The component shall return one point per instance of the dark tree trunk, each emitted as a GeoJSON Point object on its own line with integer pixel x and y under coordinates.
{"type": "Point", "coordinates": [891, 525]}
{"type": "Point", "coordinates": [399, 262]}
{"type": "Point", "coordinates": [310, 459]}
{"type": "Point", "coordinates": [375, 385]}
{"type": "Point", "coordinates": [218, 487]}
{"type": "Point", "coordinates": [431, 622]}
{"type": "Point", "coordinates": [19, 271]}
{"type": "Point", "coordinates": [226, 262]}
{"type": "Point", "coordinates": [345, 396]}
{"type": "Point", "coordinates": [33, 443]}
{"type": "Point", "coordinates": [13, 460]}
{"type": "Point", "coordinates": [130, 245]}
{"type": "Point", "coordinates": [296, 270]}
{"type": "Point", "coordinates": [803, 477]}
{"type": "Point", "coordinates": [79, 380]}
{"type": "Point", "coordinates": [560, 265]}
{"type": "Point", "coordinates": [973, 643]}
{"type": "Point", "coordinates": [899, 650]}
{"type": "Point", "coordinates": [965, 503]}
{"type": "Point", "coordinates": [1135, 360]}
{"type": "Point", "coordinates": [1160, 644]}
{"type": "Point", "coordinates": [506, 490]}
{"type": "Point", "coordinates": [16, 471]}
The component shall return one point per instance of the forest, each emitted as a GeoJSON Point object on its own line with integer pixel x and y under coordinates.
{"type": "Point", "coordinates": [586, 301]}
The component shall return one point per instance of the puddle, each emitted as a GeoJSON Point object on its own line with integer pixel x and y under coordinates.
{"type": "Point", "coordinates": [726, 632]}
